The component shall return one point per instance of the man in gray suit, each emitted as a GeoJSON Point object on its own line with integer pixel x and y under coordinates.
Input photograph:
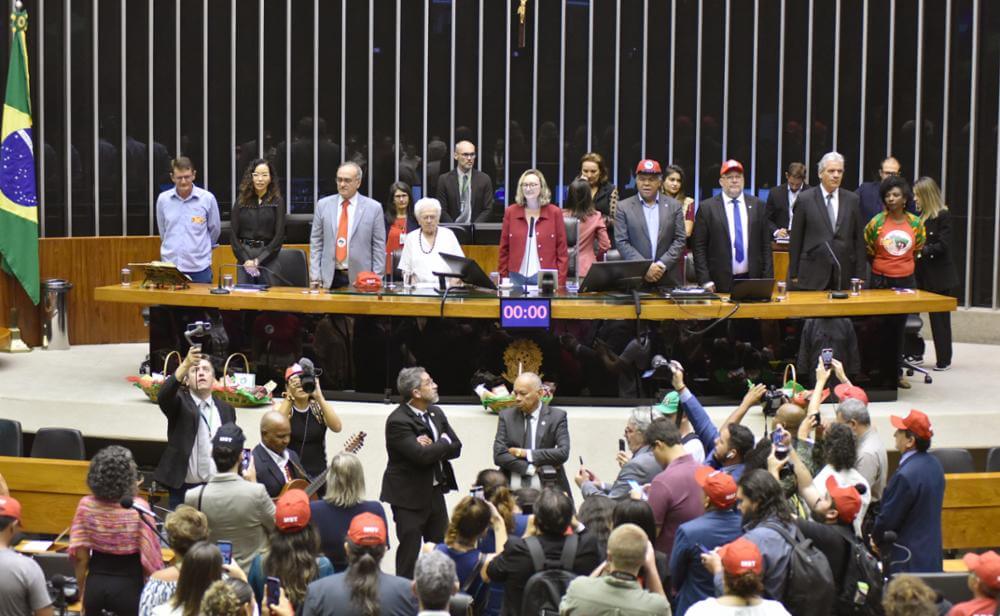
{"type": "Point", "coordinates": [639, 465]}
{"type": "Point", "coordinates": [531, 438]}
{"type": "Point", "coordinates": [348, 233]}
{"type": "Point", "coordinates": [238, 508]}
{"type": "Point", "coordinates": [650, 226]}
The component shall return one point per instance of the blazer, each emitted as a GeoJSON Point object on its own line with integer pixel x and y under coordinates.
{"type": "Point", "coordinates": [642, 469]}
{"type": "Point", "coordinates": [810, 265]}
{"type": "Point", "coordinates": [366, 247]}
{"type": "Point", "coordinates": [268, 473]}
{"type": "Point", "coordinates": [237, 510]}
{"type": "Point", "coordinates": [632, 236]}
{"type": "Point", "coordinates": [777, 207]}
{"type": "Point", "coordinates": [911, 507]}
{"type": "Point", "coordinates": [182, 428]}
{"type": "Point", "coordinates": [935, 268]}
{"type": "Point", "coordinates": [408, 479]}
{"type": "Point", "coordinates": [480, 193]}
{"type": "Point", "coordinates": [332, 595]}
{"type": "Point", "coordinates": [550, 232]}
{"type": "Point", "coordinates": [713, 247]}
{"type": "Point", "coordinates": [551, 446]}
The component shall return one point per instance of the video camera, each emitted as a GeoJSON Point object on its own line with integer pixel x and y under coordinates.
{"type": "Point", "coordinates": [772, 399]}
{"type": "Point", "coordinates": [63, 591]}
{"type": "Point", "coordinates": [198, 329]}
{"type": "Point", "coordinates": [307, 380]}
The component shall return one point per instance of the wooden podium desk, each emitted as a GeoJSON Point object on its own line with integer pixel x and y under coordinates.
{"type": "Point", "coordinates": [426, 303]}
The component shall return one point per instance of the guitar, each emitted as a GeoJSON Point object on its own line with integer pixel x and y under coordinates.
{"type": "Point", "coordinates": [353, 445]}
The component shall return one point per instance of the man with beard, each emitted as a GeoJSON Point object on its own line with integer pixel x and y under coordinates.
{"type": "Point", "coordinates": [420, 442]}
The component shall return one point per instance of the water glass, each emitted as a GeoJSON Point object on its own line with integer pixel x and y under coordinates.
{"type": "Point", "coordinates": [782, 291]}
{"type": "Point", "coordinates": [314, 287]}
{"type": "Point", "coordinates": [126, 275]}
{"type": "Point", "coordinates": [227, 282]}
{"type": "Point", "coordinates": [856, 286]}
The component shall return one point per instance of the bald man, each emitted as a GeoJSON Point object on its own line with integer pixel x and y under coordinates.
{"type": "Point", "coordinates": [275, 463]}
{"type": "Point", "coordinates": [532, 441]}
{"type": "Point", "coordinates": [466, 193]}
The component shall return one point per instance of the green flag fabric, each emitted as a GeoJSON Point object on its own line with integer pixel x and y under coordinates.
{"type": "Point", "coordinates": [18, 195]}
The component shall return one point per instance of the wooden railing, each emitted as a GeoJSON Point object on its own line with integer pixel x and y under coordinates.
{"type": "Point", "coordinates": [47, 489]}
{"type": "Point", "coordinates": [971, 511]}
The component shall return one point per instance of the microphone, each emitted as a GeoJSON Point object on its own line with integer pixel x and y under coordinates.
{"type": "Point", "coordinates": [220, 290]}
{"type": "Point", "coordinates": [531, 227]}
{"type": "Point", "coordinates": [127, 502]}
{"type": "Point", "coordinates": [838, 294]}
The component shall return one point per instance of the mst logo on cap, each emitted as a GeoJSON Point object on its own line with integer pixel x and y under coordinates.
{"type": "Point", "coordinates": [648, 166]}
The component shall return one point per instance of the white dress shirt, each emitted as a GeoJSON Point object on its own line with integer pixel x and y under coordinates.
{"type": "Point", "coordinates": [792, 196]}
{"type": "Point", "coordinates": [652, 214]}
{"type": "Point", "coordinates": [529, 446]}
{"type": "Point", "coordinates": [282, 460]}
{"type": "Point", "coordinates": [530, 264]}
{"type": "Point", "coordinates": [201, 467]}
{"type": "Point", "coordinates": [739, 267]}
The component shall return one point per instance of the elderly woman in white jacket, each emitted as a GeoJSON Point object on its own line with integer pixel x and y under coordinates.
{"type": "Point", "coordinates": [422, 249]}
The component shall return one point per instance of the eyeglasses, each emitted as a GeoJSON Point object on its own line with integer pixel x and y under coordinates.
{"type": "Point", "coordinates": [531, 185]}
{"type": "Point", "coordinates": [467, 154]}
{"type": "Point", "coordinates": [400, 196]}
{"type": "Point", "coordinates": [261, 175]}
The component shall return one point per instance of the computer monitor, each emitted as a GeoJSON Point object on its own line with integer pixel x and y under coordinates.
{"type": "Point", "coordinates": [615, 276]}
{"type": "Point", "coordinates": [468, 271]}
{"type": "Point", "coordinates": [752, 290]}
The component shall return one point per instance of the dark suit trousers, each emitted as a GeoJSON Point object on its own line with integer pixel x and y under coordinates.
{"type": "Point", "coordinates": [941, 330]}
{"type": "Point", "coordinates": [416, 526]}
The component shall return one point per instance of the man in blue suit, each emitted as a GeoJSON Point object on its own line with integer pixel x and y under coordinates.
{"type": "Point", "coordinates": [911, 503]}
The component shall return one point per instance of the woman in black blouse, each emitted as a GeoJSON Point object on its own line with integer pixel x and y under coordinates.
{"type": "Point", "coordinates": [258, 223]}
{"type": "Point", "coordinates": [935, 268]}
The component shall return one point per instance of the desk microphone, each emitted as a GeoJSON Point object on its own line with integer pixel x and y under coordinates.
{"type": "Point", "coordinates": [838, 294]}
{"type": "Point", "coordinates": [127, 502]}
{"type": "Point", "coordinates": [221, 290]}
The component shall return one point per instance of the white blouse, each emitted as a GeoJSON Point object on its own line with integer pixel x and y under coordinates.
{"type": "Point", "coordinates": [423, 264]}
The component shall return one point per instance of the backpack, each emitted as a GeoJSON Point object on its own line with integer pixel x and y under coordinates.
{"type": "Point", "coordinates": [861, 594]}
{"type": "Point", "coordinates": [547, 585]}
{"type": "Point", "coordinates": [809, 589]}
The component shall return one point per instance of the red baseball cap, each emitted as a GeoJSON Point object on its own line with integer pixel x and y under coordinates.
{"type": "Point", "coordinates": [846, 500]}
{"type": "Point", "coordinates": [845, 391]}
{"type": "Point", "coordinates": [291, 512]}
{"type": "Point", "coordinates": [9, 507]}
{"type": "Point", "coordinates": [916, 422]}
{"type": "Point", "coordinates": [648, 165]}
{"type": "Point", "coordinates": [367, 529]}
{"type": "Point", "coordinates": [292, 370]}
{"type": "Point", "coordinates": [741, 556]}
{"type": "Point", "coordinates": [719, 487]}
{"type": "Point", "coordinates": [730, 165]}
{"type": "Point", "coordinates": [986, 566]}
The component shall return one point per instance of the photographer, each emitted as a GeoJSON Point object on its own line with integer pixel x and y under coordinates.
{"type": "Point", "coordinates": [310, 415]}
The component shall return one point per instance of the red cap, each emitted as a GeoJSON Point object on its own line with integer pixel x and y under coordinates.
{"type": "Point", "coordinates": [367, 529]}
{"type": "Point", "coordinates": [846, 500]}
{"type": "Point", "coordinates": [741, 556]}
{"type": "Point", "coordinates": [648, 165]}
{"type": "Point", "coordinates": [9, 507]}
{"type": "Point", "coordinates": [730, 165]}
{"type": "Point", "coordinates": [845, 391]}
{"type": "Point", "coordinates": [916, 422]}
{"type": "Point", "coordinates": [719, 487]}
{"type": "Point", "coordinates": [291, 512]}
{"type": "Point", "coordinates": [986, 566]}
{"type": "Point", "coordinates": [292, 371]}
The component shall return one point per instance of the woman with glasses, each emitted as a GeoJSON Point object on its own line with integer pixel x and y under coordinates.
{"type": "Point", "coordinates": [399, 218]}
{"type": "Point", "coordinates": [533, 236]}
{"type": "Point", "coordinates": [258, 223]}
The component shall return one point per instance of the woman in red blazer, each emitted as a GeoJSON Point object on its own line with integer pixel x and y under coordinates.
{"type": "Point", "coordinates": [534, 217]}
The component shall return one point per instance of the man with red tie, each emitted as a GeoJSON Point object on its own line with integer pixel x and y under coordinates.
{"type": "Point", "coordinates": [348, 233]}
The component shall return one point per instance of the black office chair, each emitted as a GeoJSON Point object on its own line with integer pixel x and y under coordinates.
{"type": "Point", "coordinates": [954, 459]}
{"type": "Point", "coordinates": [291, 267]}
{"type": "Point", "coordinates": [913, 346]}
{"type": "Point", "coordinates": [572, 241]}
{"type": "Point", "coordinates": [58, 443]}
{"type": "Point", "coordinates": [993, 460]}
{"type": "Point", "coordinates": [952, 586]}
{"type": "Point", "coordinates": [393, 264]}
{"type": "Point", "coordinates": [11, 443]}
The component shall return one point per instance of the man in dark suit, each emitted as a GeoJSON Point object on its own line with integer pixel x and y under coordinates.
{"type": "Point", "coordinates": [870, 196]}
{"type": "Point", "coordinates": [274, 462]}
{"type": "Point", "coordinates": [193, 417]}
{"type": "Point", "coordinates": [420, 442]}
{"type": "Point", "coordinates": [911, 503]}
{"type": "Point", "coordinates": [731, 237]}
{"type": "Point", "coordinates": [466, 193]}
{"type": "Point", "coordinates": [781, 201]}
{"type": "Point", "coordinates": [827, 222]}
{"type": "Point", "coordinates": [531, 438]}
{"type": "Point", "coordinates": [650, 226]}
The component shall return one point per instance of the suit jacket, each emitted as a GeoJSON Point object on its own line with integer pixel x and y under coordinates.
{"type": "Point", "coordinates": [237, 510]}
{"type": "Point", "coordinates": [332, 595]}
{"type": "Point", "coordinates": [911, 507]}
{"type": "Point", "coordinates": [550, 231]}
{"type": "Point", "coordinates": [480, 194]}
{"type": "Point", "coordinates": [551, 446]}
{"type": "Point", "coordinates": [182, 428]}
{"type": "Point", "coordinates": [642, 468]}
{"type": "Point", "coordinates": [809, 260]}
{"type": "Point", "coordinates": [366, 247]}
{"type": "Point", "coordinates": [935, 268]}
{"type": "Point", "coordinates": [713, 247]}
{"type": "Point", "coordinates": [632, 236]}
{"type": "Point", "coordinates": [270, 475]}
{"type": "Point", "coordinates": [408, 480]}
{"type": "Point", "coordinates": [777, 207]}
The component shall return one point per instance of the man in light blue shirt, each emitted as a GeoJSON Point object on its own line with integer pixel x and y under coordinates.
{"type": "Point", "coordinates": [188, 219]}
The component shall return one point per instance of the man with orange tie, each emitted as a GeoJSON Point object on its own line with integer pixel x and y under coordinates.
{"type": "Point", "coordinates": [348, 233]}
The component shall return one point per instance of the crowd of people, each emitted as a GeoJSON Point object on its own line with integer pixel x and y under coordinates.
{"type": "Point", "coordinates": [701, 519]}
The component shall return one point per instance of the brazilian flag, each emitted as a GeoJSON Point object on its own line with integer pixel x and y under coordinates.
{"type": "Point", "coordinates": [18, 197]}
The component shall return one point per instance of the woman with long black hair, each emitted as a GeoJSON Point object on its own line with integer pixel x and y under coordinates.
{"type": "Point", "coordinates": [258, 223]}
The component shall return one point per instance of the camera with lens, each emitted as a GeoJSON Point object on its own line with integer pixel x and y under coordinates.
{"type": "Point", "coordinates": [772, 399]}
{"type": "Point", "coordinates": [197, 329]}
{"type": "Point", "coordinates": [307, 379]}
{"type": "Point", "coordinates": [63, 590]}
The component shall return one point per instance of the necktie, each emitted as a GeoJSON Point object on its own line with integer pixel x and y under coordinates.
{"type": "Point", "coordinates": [529, 441]}
{"type": "Point", "coordinates": [427, 422]}
{"type": "Point", "coordinates": [464, 198]}
{"type": "Point", "coordinates": [830, 212]}
{"type": "Point", "coordinates": [438, 470]}
{"type": "Point", "coordinates": [738, 231]}
{"type": "Point", "coordinates": [342, 232]}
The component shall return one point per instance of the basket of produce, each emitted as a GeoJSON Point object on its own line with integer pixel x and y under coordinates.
{"type": "Point", "coordinates": [150, 383]}
{"type": "Point", "coordinates": [238, 391]}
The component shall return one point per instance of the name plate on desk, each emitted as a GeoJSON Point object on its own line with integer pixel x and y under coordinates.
{"type": "Point", "coordinates": [519, 313]}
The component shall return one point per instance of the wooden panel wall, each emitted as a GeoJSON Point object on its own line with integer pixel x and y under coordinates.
{"type": "Point", "coordinates": [48, 490]}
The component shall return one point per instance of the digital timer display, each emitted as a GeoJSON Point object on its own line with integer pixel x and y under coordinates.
{"type": "Point", "coordinates": [525, 313]}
